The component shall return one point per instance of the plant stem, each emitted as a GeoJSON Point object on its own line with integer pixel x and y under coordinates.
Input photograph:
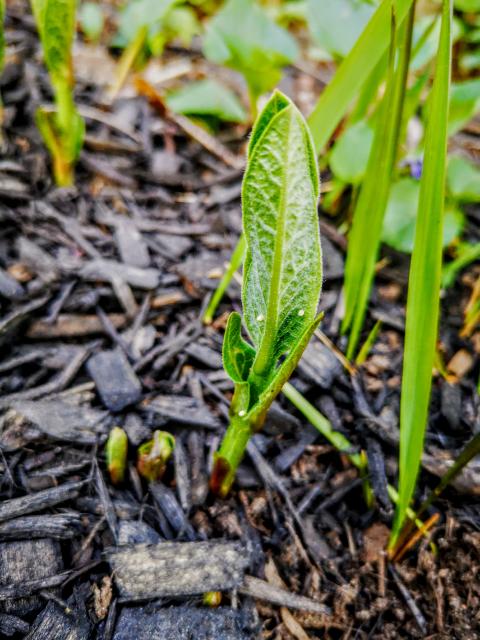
{"type": "Point", "coordinates": [234, 264]}
{"type": "Point", "coordinates": [230, 454]}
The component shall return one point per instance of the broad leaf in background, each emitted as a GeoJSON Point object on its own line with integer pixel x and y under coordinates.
{"type": "Point", "coordinates": [335, 25]}
{"type": "Point", "coordinates": [463, 179]}
{"type": "Point", "coordinates": [423, 300]}
{"type": "Point", "coordinates": [241, 36]}
{"type": "Point", "coordinates": [464, 104]}
{"type": "Point", "coordinates": [401, 215]}
{"type": "Point", "coordinates": [91, 19]}
{"type": "Point", "coordinates": [282, 275]}
{"type": "Point", "coordinates": [137, 14]}
{"type": "Point", "coordinates": [469, 6]}
{"type": "Point", "coordinates": [349, 157]}
{"type": "Point", "coordinates": [207, 98]}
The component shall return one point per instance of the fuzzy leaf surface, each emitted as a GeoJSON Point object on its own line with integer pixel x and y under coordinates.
{"type": "Point", "coordinates": [283, 268]}
{"type": "Point", "coordinates": [57, 33]}
{"type": "Point", "coordinates": [238, 355]}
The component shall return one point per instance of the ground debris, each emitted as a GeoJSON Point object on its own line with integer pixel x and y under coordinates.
{"type": "Point", "coordinates": [178, 568]}
{"type": "Point", "coordinates": [116, 382]}
{"type": "Point", "coordinates": [22, 562]}
{"type": "Point", "coordinates": [176, 623]}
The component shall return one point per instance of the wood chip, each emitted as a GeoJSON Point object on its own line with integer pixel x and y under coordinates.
{"type": "Point", "coordinates": [262, 590]}
{"type": "Point", "coordinates": [116, 382]}
{"type": "Point", "coordinates": [24, 561]}
{"type": "Point", "coordinates": [178, 569]}
{"type": "Point", "coordinates": [175, 623]}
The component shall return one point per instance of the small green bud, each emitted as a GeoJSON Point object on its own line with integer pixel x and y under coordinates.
{"type": "Point", "coordinates": [212, 598]}
{"type": "Point", "coordinates": [116, 450]}
{"type": "Point", "coordinates": [154, 455]}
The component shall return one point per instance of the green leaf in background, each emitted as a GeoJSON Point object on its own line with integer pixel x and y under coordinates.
{"type": "Point", "coordinates": [283, 268]}
{"type": "Point", "coordinates": [141, 13]}
{"type": "Point", "coordinates": [237, 354]}
{"type": "Point", "coordinates": [423, 300]}
{"type": "Point", "coordinates": [2, 36]}
{"type": "Point", "coordinates": [182, 23]}
{"type": "Point", "coordinates": [425, 41]}
{"type": "Point", "coordinates": [207, 98]}
{"type": "Point", "coordinates": [91, 20]}
{"type": "Point", "coordinates": [464, 104]}
{"type": "Point", "coordinates": [353, 72]}
{"type": "Point", "coordinates": [401, 215]}
{"type": "Point", "coordinates": [463, 179]}
{"type": "Point", "coordinates": [335, 25]}
{"type": "Point", "coordinates": [469, 6]}
{"type": "Point", "coordinates": [349, 156]}
{"type": "Point", "coordinates": [241, 36]}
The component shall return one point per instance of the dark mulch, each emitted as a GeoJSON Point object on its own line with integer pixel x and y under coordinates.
{"type": "Point", "coordinates": [101, 287]}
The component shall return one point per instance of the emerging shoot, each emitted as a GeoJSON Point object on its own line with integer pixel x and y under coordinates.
{"type": "Point", "coordinates": [116, 450]}
{"type": "Point", "coordinates": [63, 129]}
{"type": "Point", "coordinates": [282, 275]}
{"type": "Point", "coordinates": [154, 455]}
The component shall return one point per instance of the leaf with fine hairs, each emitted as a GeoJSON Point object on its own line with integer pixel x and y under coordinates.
{"type": "Point", "coordinates": [57, 33]}
{"type": "Point", "coordinates": [283, 268]}
{"type": "Point", "coordinates": [238, 355]}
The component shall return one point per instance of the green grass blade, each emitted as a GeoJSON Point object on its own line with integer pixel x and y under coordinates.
{"type": "Point", "coordinates": [365, 235]}
{"type": "Point", "coordinates": [354, 70]}
{"type": "Point", "coordinates": [234, 264]}
{"type": "Point", "coordinates": [424, 281]}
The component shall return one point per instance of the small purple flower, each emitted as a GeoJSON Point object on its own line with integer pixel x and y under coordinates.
{"type": "Point", "coordinates": [416, 168]}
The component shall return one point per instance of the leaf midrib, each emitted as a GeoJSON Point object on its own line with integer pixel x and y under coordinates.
{"type": "Point", "coordinates": [263, 362]}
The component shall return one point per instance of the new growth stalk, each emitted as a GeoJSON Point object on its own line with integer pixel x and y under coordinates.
{"type": "Point", "coordinates": [63, 129]}
{"type": "Point", "coordinates": [282, 275]}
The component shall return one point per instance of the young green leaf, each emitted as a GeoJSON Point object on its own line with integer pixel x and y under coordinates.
{"type": "Point", "coordinates": [401, 215]}
{"type": "Point", "coordinates": [237, 354]}
{"type": "Point", "coordinates": [464, 104]}
{"type": "Point", "coordinates": [349, 157]}
{"type": "Point", "coordinates": [243, 37]}
{"type": "Point", "coordinates": [336, 24]}
{"type": "Point", "coordinates": [463, 179]}
{"type": "Point", "coordinates": [207, 98]}
{"type": "Point", "coordinates": [57, 40]}
{"type": "Point", "coordinates": [282, 276]}
{"type": "Point", "coordinates": [2, 35]}
{"type": "Point", "coordinates": [91, 20]}
{"type": "Point", "coordinates": [424, 282]}
{"type": "Point", "coordinates": [62, 131]}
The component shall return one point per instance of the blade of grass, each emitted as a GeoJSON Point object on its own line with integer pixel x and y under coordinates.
{"type": "Point", "coordinates": [368, 344]}
{"type": "Point", "coordinates": [354, 70]}
{"type": "Point", "coordinates": [424, 282]}
{"type": "Point", "coordinates": [364, 239]}
{"type": "Point", "coordinates": [234, 264]}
